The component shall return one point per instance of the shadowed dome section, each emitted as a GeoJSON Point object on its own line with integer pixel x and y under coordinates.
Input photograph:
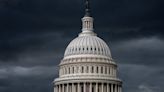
{"type": "Point", "coordinates": [87, 45]}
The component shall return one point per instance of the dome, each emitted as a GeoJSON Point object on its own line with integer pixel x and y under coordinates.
{"type": "Point", "coordinates": [87, 45]}
{"type": "Point", "coordinates": [87, 65]}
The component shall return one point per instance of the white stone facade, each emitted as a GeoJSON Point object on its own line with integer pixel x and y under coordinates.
{"type": "Point", "coordinates": [87, 65]}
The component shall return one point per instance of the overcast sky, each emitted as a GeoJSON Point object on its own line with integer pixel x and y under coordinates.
{"type": "Point", "coordinates": [35, 33]}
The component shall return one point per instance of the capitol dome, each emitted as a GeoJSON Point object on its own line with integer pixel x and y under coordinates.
{"type": "Point", "coordinates": [90, 44]}
{"type": "Point", "coordinates": [87, 65]}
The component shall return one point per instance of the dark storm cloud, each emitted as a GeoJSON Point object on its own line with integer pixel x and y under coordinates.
{"type": "Point", "coordinates": [35, 33]}
{"type": "Point", "coordinates": [27, 78]}
{"type": "Point", "coordinates": [146, 51]}
{"type": "Point", "coordinates": [23, 43]}
{"type": "Point", "coordinates": [139, 78]}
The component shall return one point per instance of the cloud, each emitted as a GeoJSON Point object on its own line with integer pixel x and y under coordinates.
{"type": "Point", "coordinates": [146, 88]}
{"type": "Point", "coordinates": [141, 78]}
{"type": "Point", "coordinates": [19, 71]}
{"type": "Point", "coordinates": [35, 33]}
{"type": "Point", "coordinates": [145, 51]}
{"type": "Point", "coordinates": [18, 78]}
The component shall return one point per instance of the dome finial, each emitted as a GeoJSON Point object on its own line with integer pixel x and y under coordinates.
{"type": "Point", "coordinates": [87, 22]}
{"type": "Point", "coordinates": [87, 8]}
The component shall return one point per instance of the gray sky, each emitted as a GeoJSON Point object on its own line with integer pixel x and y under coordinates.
{"type": "Point", "coordinates": [35, 33]}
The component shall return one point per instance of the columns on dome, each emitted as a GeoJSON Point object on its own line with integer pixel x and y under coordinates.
{"type": "Point", "coordinates": [55, 88]}
{"type": "Point", "coordinates": [107, 86]}
{"type": "Point", "coordinates": [84, 88]}
{"type": "Point", "coordinates": [62, 87]}
{"type": "Point", "coordinates": [73, 87]}
{"type": "Point", "coordinates": [67, 90]}
{"type": "Point", "coordinates": [78, 87]}
{"type": "Point", "coordinates": [111, 88]}
{"type": "Point", "coordinates": [103, 69]}
{"type": "Point", "coordinates": [102, 87]}
{"type": "Point", "coordinates": [90, 90]}
{"type": "Point", "coordinates": [88, 87]}
{"type": "Point", "coordinates": [96, 87]}
{"type": "Point", "coordinates": [59, 88]}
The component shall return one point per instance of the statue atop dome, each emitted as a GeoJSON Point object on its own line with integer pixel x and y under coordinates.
{"type": "Point", "coordinates": [87, 9]}
{"type": "Point", "coordinates": [87, 22]}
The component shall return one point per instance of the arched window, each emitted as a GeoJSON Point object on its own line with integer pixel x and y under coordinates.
{"type": "Point", "coordinates": [65, 70]}
{"type": "Point", "coordinates": [69, 70]}
{"type": "Point", "coordinates": [87, 48]}
{"type": "Point", "coordinates": [92, 69]}
{"type": "Point", "coordinates": [82, 69]}
{"type": "Point", "coordinates": [95, 49]}
{"type": "Point", "coordinates": [101, 69]}
{"type": "Point", "coordinates": [105, 70]}
{"type": "Point", "coordinates": [73, 70]}
{"type": "Point", "coordinates": [87, 69]}
{"type": "Point", "coordinates": [98, 49]}
{"type": "Point", "coordinates": [102, 50]}
{"type": "Point", "coordinates": [77, 69]}
{"type": "Point", "coordinates": [83, 49]}
{"type": "Point", "coordinates": [97, 69]}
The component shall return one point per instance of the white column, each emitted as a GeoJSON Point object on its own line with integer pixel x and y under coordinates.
{"type": "Point", "coordinates": [84, 88]}
{"type": "Point", "coordinates": [120, 88]}
{"type": "Point", "coordinates": [67, 88]}
{"type": "Point", "coordinates": [63, 88]}
{"type": "Point", "coordinates": [103, 69]}
{"type": "Point", "coordinates": [85, 69]}
{"type": "Point", "coordinates": [70, 70]}
{"type": "Point", "coordinates": [59, 88]}
{"type": "Point", "coordinates": [90, 68]}
{"type": "Point", "coordinates": [90, 90]}
{"type": "Point", "coordinates": [107, 85]}
{"type": "Point", "coordinates": [72, 88]}
{"type": "Point", "coordinates": [78, 87]}
{"type": "Point", "coordinates": [99, 69]}
{"type": "Point", "coordinates": [115, 87]}
{"type": "Point", "coordinates": [94, 69]}
{"type": "Point", "coordinates": [102, 87]}
{"type": "Point", "coordinates": [111, 87]}
{"type": "Point", "coordinates": [96, 87]}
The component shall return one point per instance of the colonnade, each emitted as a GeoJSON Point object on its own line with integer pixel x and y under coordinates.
{"type": "Point", "coordinates": [88, 87]}
{"type": "Point", "coordinates": [94, 69]}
